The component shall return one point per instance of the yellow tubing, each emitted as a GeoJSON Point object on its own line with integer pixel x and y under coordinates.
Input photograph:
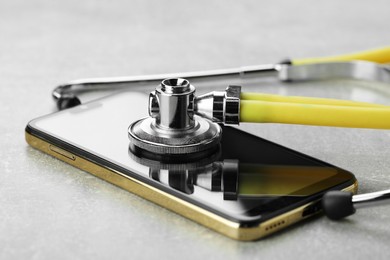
{"type": "Point", "coordinates": [381, 55]}
{"type": "Point", "coordinates": [305, 100]}
{"type": "Point", "coordinates": [311, 114]}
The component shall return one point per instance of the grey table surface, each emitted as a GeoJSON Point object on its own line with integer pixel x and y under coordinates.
{"type": "Point", "coordinates": [50, 210]}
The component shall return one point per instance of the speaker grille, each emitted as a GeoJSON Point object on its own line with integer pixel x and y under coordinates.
{"type": "Point", "coordinates": [275, 225]}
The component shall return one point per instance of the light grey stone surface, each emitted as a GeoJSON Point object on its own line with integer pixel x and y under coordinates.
{"type": "Point", "coordinates": [50, 210]}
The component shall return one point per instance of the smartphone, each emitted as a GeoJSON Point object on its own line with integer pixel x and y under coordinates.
{"type": "Point", "coordinates": [247, 189]}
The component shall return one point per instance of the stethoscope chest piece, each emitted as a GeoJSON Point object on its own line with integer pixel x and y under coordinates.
{"type": "Point", "coordinates": [173, 128]}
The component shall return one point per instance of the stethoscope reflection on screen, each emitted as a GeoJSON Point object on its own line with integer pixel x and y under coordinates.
{"type": "Point", "coordinates": [188, 119]}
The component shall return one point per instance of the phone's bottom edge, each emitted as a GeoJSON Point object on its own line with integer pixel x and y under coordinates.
{"type": "Point", "coordinates": [197, 214]}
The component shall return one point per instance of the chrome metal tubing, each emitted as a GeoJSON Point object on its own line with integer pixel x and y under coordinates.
{"type": "Point", "coordinates": [360, 70]}
{"type": "Point", "coordinates": [117, 83]}
{"type": "Point", "coordinates": [371, 199]}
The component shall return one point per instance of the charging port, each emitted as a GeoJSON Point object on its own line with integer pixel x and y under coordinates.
{"type": "Point", "coordinates": [312, 209]}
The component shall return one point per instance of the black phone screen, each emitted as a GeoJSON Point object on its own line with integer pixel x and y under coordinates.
{"type": "Point", "coordinates": [247, 180]}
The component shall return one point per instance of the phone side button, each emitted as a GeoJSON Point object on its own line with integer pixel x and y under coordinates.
{"type": "Point", "coordinates": [62, 152]}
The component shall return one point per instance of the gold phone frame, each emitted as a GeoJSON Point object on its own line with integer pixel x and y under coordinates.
{"type": "Point", "coordinates": [213, 221]}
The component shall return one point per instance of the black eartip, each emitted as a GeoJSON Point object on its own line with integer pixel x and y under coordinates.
{"type": "Point", "coordinates": [338, 204]}
{"type": "Point", "coordinates": [67, 102]}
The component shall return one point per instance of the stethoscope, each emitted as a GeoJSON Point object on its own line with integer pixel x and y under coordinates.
{"type": "Point", "coordinates": [182, 124]}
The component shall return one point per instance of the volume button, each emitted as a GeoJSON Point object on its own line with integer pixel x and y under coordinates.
{"type": "Point", "coordinates": [62, 152]}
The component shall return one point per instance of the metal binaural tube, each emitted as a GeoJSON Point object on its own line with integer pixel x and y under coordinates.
{"type": "Point", "coordinates": [371, 199]}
